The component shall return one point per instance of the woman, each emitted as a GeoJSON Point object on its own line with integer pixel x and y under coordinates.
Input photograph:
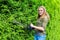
{"type": "Point", "coordinates": [43, 18]}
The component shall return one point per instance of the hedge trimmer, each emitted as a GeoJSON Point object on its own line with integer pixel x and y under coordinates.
{"type": "Point", "coordinates": [26, 26]}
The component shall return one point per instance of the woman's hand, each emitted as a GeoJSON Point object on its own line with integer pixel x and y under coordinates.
{"type": "Point", "coordinates": [32, 25]}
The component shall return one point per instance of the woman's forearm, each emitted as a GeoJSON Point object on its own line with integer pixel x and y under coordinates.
{"type": "Point", "coordinates": [39, 28]}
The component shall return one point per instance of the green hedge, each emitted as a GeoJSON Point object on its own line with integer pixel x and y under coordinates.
{"type": "Point", "coordinates": [25, 12]}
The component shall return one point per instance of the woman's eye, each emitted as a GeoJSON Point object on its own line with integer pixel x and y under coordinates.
{"type": "Point", "coordinates": [40, 10]}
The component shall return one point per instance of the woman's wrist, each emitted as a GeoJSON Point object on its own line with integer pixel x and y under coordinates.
{"type": "Point", "coordinates": [34, 26]}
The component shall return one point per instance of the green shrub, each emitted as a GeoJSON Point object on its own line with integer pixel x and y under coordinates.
{"type": "Point", "coordinates": [25, 12]}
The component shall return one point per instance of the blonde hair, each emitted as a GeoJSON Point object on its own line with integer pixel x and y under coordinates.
{"type": "Point", "coordinates": [43, 9]}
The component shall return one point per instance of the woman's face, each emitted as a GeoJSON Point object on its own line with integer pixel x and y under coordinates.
{"type": "Point", "coordinates": [40, 11]}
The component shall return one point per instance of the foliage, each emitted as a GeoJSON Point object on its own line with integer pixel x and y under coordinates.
{"type": "Point", "coordinates": [25, 12]}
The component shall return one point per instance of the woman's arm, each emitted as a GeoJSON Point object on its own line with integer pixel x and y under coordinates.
{"type": "Point", "coordinates": [38, 28]}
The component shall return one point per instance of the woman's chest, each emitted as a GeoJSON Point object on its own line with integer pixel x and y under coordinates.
{"type": "Point", "coordinates": [40, 21]}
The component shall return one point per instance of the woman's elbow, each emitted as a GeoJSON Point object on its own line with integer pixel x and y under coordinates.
{"type": "Point", "coordinates": [42, 29]}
